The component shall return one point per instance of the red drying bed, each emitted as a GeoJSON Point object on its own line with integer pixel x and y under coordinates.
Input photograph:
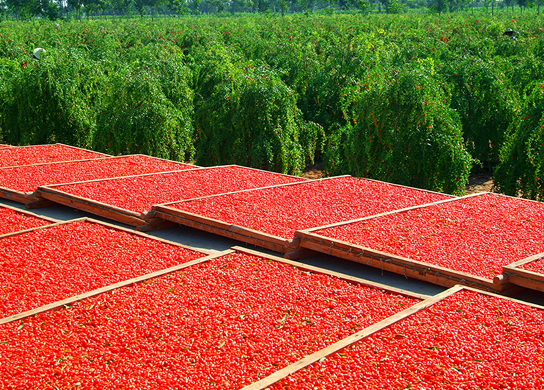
{"type": "Point", "coordinates": [37, 154]}
{"type": "Point", "coordinates": [280, 211]}
{"type": "Point", "coordinates": [12, 220]}
{"type": "Point", "coordinates": [62, 260]}
{"type": "Point", "coordinates": [136, 195]}
{"type": "Point", "coordinates": [473, 236]}
{"type": "Point", "coordinates": [467, 340]}
{"type": "Point", "coordinates": [20, 182]}
{"type": "Point", "coordinates": [4, 146]}
{"type": "Point", "coordinates": [221, 323]}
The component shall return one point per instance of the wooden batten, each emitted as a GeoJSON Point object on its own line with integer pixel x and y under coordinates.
{"type": "Point", "coordinates": [68, 301]}
{"type": "Point", "coordinates": [400, 265]}
{"type": "Point", "coordinates": [454, 199]}
{"type": "Point", "coordinates": [30, 214]}
{"type": "Point", "coordinates": [525, 278]}
{"type": "Point", "coordinates": [18, 196]}
{"type": "Point", "coordinates": [339, 345]}
{"type": "Point", "coordinates": [339, 275]}
{"type": "Point", "coordinates": [97, 208]}
{"type": "Point", "coordinates": [352, 339]}
{"type": "Point", "coordinates": [235, 232]}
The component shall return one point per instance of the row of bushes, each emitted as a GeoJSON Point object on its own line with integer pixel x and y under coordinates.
{"type": "Point", "coordinates": [412, 100]}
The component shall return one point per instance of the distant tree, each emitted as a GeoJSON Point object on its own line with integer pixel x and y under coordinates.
{"type": "Point", "coordinates": [439, 6]}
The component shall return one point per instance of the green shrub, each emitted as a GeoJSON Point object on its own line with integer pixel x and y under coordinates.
{"type": "Point", "coordinates": [486, 103]}
{"type": "Point", "coordinates": [405, 132]}
{"type": "Point", "coordinates": [521, 169]}
{"type": "Point", "coordinates": [252, 119]}
{"type": "Point", "coordinates": [51, 100]}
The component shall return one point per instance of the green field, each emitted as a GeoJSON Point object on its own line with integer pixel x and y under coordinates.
{"type": "Point", "coordinates": [419, 100]}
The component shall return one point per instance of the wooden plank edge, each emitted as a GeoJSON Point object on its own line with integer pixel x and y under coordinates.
{"type": "Point", "coordinates": [17, 196]}
{"type": "Point", "coordinates": [94, 207]}
{"type": "Point", "coordinates": [83, 149]}
{"type": "Point", "coordinates": [302, 179]}
{"type": "Point", "coordinates": [30, 214]}
{"type": "Point", "coordinates": [163, 159]}
{"type": "Point", "coordinates": [527, 282]}
{"type": "Point", "coordinates": [241, 233]}
{"type": "Point", "coordinates": [133, 176]}
{"type": "Point", "coordinates": [352, 339]}
{"type": "Point", "coordinates": [148, 236]}
{"type": "Point", "coordinates": [239, 237]}
{"type": "Point", "coordinates": [111, 287]}
{"type": "Point", "coordinates": [411, 188]}
{"type": "Point", "coordinates": [397, 211]}
{"type": "Point", "coordinates": [228, 226]}
{"type": "Point", "coordinates": [339, 345]}
{"type": "Point", "coordinates": [121, 177]}
{"type": "Point", "coordinates": [400, 265]}
{"type": "Point", "coordinates": [40, 227]}
{"type": "Point", "coordinates": [250, 190]}
{"type": "Point", "coordinates": [338, 275]}
{"type": "Point", "coordinates": [14, 167]}
{"type": "Point", "coordinates": [525, 261]}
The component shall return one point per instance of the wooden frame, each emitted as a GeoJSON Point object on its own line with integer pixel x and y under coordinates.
{"type": "Point", "coordinates": [24, 212]}
{"type": "Point", "coordinates": [290, 247]}
{"type": "Point", "coordinates": [35, 200]}
{"type": "Point", "coordinates": [397, 264]}
{"type": "Point", "coordinates": [212, 255]}
{"type": "Point", "coordinates": [525, 278]}
{"type": "Point", "coordinates": [336, 347]}
{"type": "Point", "coordinates": [142, 221]}
{"type": "Point", "coordinates": [208, 254]}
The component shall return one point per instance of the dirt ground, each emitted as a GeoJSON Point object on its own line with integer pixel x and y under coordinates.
{"type": "Point", "coordinates": [479, 182]}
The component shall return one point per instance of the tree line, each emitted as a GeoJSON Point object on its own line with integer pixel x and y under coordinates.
{"type": "Point", "coordinates": [78, 9]}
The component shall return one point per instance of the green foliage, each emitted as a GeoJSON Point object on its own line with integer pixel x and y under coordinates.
{"type": "Point", "coordinates": [147, 107]}
{"type": "Point", "coordinates": [521, 170]}
{"type": "Point", "coordinates": [486, 103]}
{"type": "Point", "coordinates": [405, 133]}
{"type": "Point", "coordinates": [50, 100]}
{"type": "Point", "coordinates": [277, 92]}
{"type": "Point", "coordinates": [251, 118]}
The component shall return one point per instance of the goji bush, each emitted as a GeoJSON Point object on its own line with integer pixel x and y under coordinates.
{"type": "Point", "coordinates": [468, 340]}
{"type": "Point", "coordinates": [54, 263]}
{"type": "Point", "coordinates": [477, 234]}
{"type": "Point", "coordinates": [521, 169]}
{"type": "Point", "coordinates": [139, 193]}
{"type": "Point", "coordinates": [223, 323]}
{"type": "Point", "coordinates": [13, 221]}
{"type": "Point", "coordinates": [29, 178]}
{"type": "Point", "coordinates": [26, 155]}
{"type": "Point", "coordinates": [282, 210]}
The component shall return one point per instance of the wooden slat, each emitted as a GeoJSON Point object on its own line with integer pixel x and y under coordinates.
{"type": "Point", "coordinates": [397, 264]}
{"type": "Point", "coordinates": [314, 229]}
{"type": "Point", "coordinates": [339, 275]}
{"type": "Point", "coordinates": [165, 205]}
{"type": "Point", "coordinates": [338, 346]}
{"type": "Point", "coordinates": [125, 283]}
{"type": "Point", "coordinates": [235, 232]}
{"type": "Point", "coordinates": [17, 196]}
{"type": "Point", "coordinates": [523, 277]}
{"type": "Point", "coordinates": [94, 207]}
